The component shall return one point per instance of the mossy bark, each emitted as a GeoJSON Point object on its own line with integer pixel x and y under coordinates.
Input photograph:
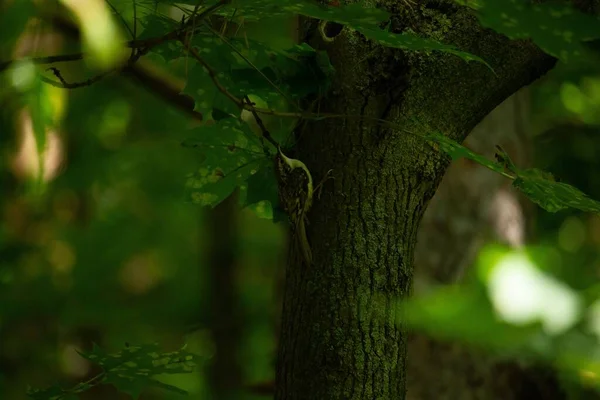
{"type": "Point", "coordinates": [342, 336]}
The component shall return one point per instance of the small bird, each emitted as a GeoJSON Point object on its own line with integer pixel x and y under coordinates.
{"type": "Point", "coordinates": [295, 195]}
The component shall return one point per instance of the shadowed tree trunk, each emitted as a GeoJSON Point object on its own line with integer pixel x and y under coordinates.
{"type": "Point", "coordinates": [225, 373]}
{"type": "Point", "coordinates": [342, 337]}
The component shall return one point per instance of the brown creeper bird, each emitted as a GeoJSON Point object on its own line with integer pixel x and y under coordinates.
{"type": "Point", "coordinates": [295, 195]}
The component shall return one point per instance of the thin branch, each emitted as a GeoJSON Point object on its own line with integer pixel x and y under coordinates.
{"type": "Point", "coordinates": [263, 129]}
{"type": "Point", "coordinates": [151, 82]}
{"type": "Point", "coordinates": [144, 45]}
{"type": "Point", "coordinates": [163, 90]}
{"type": "Point", "coordinates": [191, 17]}
{"type": "Point", "coordinates": [65, 85]}
{"type": "Point", "coordinates": [154, 84]}
{"type": "Point", "coordinates": [44, 60]}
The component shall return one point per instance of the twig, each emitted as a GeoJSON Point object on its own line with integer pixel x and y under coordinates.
{"type": "Point", "coordinates": [44, 60]}
{"type": "Point", "coordinates": [163, 90]}
{"type": "Point", "coordinates": [191, 17]}
{"type": "Point", "coordinates": [263, 129]}
{"type": "Point", "coordinates": [144, 45]}
{"type": "Point", "coordinates": [65, 85]}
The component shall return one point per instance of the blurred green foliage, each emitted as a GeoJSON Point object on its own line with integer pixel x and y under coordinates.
{"type": "Point", "coordinates": [102, 239]}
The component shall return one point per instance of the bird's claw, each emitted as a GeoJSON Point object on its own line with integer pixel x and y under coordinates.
{"type": "Point", "coordinates": [319, 187]}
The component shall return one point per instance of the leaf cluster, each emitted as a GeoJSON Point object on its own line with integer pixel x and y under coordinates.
{"type": "Point", "coordinates": [131, 371]}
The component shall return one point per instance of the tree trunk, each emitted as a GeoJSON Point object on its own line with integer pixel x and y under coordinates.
{"type": "Point", "coordinates": [225, 373]}
{"type": "Point", "coordinates": [342, 337]}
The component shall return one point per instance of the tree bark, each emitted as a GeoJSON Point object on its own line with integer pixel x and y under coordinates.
{"type": "Point", "coordinates": [225, 371]}
{"type": "Point", "coordinates": [342, 337]}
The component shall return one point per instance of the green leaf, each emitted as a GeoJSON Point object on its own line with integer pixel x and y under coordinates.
{"type": "Point", "coordinates": [231, 154]}
{"type": "Point", "coordinates": [262, 187]}
{"type": "Point", "coordinates": [411, 41]}
{"type": "Point", "coordinates": [559, 30]}
{"type": "Point", "coordinates": [259, 70]}
{"type": "Point", "coordinates": [155, 26]}
{"type": "Point", "coordinates": [54, 392]}
{"type": "Point", "coordinates": [187, 2]}
{"type": "Point", "coordinates": [135, 385]}
{"type": "Point", "coordinates": [537, 185]}
{"type": "Point", "coordinates": [541, 188]}
{"type": "Point", "coordinates": [144, 360]}
{"type": "Point", "coordinates": [131, 370]}
{"type": "Point", "coordinates": [351, 13]}
{"type": "Point", "coordinates": [367, 20]}
{"type": "Point", "coordinates": [204, 92]}
{"type": "Point", "coordinates": [553, 196]}
{"type": "Point", "coordinates": [456, 151]}
{"type": "Point", "coordinates": [358, 16]}
{"type": "Point", "coordinates": [100, 35]}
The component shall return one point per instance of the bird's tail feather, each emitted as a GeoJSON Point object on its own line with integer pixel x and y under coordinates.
{"type": "Point", "coordinates": [300, 242]}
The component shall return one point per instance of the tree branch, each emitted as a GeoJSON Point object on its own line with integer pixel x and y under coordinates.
{"type": "Point", "coordinates": [65, 85]}
{"type": "Point", "coordinates": [43, 60]}
{"type": "Point", "coordinates": [162, 89]}
{"type": "Point", "coordinates": [265, 133]}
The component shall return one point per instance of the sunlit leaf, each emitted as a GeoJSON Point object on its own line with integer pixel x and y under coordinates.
{"type": "Point", "coordinates": [100, 35]}
{"type": "Point", "coordinates": [464, 314]}
{"type": "Point", "coordinates": [522, 294]}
